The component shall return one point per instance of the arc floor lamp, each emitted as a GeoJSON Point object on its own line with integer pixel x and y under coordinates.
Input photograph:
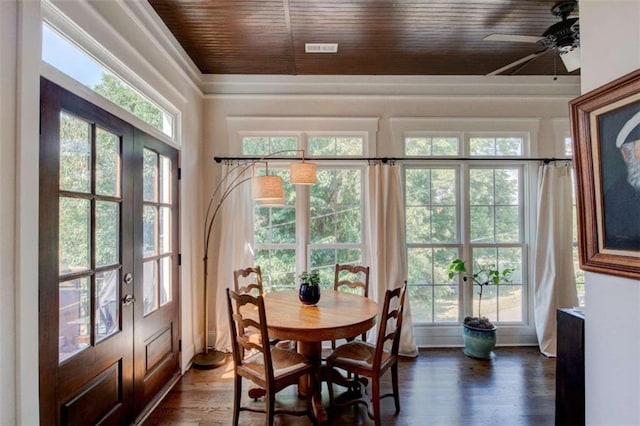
{"type": "Point", "coordinates": [267, 190]}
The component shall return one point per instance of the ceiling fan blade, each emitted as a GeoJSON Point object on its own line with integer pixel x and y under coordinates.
{"type": "Point", "coordinates": [513, 37]}
{"type": "Point", "coordinates": [518, 62]}
{"type": "Point", "coordinates": [571, 59]}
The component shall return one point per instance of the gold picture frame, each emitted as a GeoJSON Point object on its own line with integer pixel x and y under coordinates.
{"type": "Point", "coordinates": [605, 125]}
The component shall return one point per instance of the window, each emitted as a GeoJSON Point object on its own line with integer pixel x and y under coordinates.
{"type": "Point", "coordinates": [275, 239]}
{"type": "Point", "coordinates": [431, 145]}
{"type": "Point", "coordinates": [61, 53]}
{"type": "Point", "coordinates": [467, 209]}
{"type": "Point", "coordinates": [337, 146]}
{"type": "Point", "coordinates": [326, 216]}
{"type": "Point", "coordinates": [335, 220]}
{"type": "Point", "coordinates": [495, 146]}
{"type": "Point", "coordinates": [89, 228]}
{"type": "Point", "coordinates": [578, 273]}
{"type": "Point", "coordinates": [264, 145]}
{"type": "Point", "coordinates": [432, 232]}
{"type": "Point", "coordinates": [156, 223]}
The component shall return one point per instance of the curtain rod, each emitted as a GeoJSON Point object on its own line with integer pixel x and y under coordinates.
{"type": "Point", "coordinates": [393, 159]}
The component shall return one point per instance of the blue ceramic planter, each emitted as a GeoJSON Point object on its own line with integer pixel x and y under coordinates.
{"type": "Point", "coordinates": [478, 342]}
{"type": "Point", "coordinates": [309, 294]}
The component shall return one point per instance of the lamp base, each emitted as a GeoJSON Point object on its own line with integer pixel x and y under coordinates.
{"type": "Point", "coordinates": [208, 360]}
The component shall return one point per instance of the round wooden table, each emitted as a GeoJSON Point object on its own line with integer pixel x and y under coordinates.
{"type": "Point", "coordinates": [336, 316]}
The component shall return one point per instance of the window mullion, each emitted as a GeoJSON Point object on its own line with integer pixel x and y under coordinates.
{"type": "Point", "coordinates": [464, 210]}
{"type": "Point", "coordinates": [303, 226]}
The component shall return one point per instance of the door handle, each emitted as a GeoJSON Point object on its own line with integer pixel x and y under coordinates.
{"type": "Point", "coordinates": [128, 299]}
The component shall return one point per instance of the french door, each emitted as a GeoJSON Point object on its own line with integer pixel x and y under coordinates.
{"type": "Point", "coordinates": [108, 264]}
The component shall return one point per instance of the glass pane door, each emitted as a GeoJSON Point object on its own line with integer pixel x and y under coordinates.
{"type": "Point", "coordinates": [89, 234]}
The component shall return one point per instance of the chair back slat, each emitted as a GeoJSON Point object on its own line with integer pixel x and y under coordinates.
{"type": "Point", "coordinates": [248, 281]}
{"type": "Point", "coordinates": [248, 345]}
{"type": "Point", "coordinates": [353, 277]}
{"type": "Point", "coordinates": [250, 323]}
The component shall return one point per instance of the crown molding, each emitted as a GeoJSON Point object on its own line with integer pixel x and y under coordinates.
{"type": "Point", "coordinates": [537, 86]}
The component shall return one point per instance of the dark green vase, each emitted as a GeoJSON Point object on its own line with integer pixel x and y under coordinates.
{"type": "Point", "coordinates": [309, 294]}
{"type": "Point", "coordinates": [478, 342]}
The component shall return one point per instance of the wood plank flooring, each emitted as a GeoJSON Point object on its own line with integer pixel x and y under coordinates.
{"type": "Point", "coordinates": [439, 387]}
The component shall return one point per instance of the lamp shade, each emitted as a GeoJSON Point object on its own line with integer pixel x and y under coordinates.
{"type": "Point", "coordinates": [303, 173]}
{"type": "Point", "coordinates": [268, 189]}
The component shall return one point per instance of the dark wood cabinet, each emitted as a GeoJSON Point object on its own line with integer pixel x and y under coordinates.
{"type": "Point", "coordinates": [570, 368]}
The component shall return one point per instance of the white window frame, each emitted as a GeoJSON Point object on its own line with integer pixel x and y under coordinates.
{"type": "Point", "coordinates": [366, 146]}
{"type": "Point", "coordinates": [466, 246]}
{"type": "Point", "coordinates": [439, 134]}
{"type": "Point", "coordinates": [68, 29]}
{"type": "Point", "coordinates": [464, 128]}
{"type": "Point", "coordinates": [239, 127]}
{"type": "Point", "coordinates": [305, 210]}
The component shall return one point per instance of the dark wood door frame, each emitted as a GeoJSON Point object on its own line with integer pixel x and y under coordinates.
{"type": "Point", "coordinates": [101, 383]}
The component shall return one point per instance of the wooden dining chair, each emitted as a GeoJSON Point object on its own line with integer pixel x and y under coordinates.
{"type": "Point", "coordinates": [353, 279]}
{"type": "Point", "coordinates": [372, 361]}
{"type": "Point", "coordinates": [269, 367]}
{"type": "Point", "coordinates": [249, 281]}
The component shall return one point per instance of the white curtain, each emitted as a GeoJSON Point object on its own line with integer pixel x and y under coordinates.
{"type": "Point", "coordinates": [385, 238]}
{"type": "Point", "coordinates": [554, 281]}
{"type": "Point", "coordinates": [235, 222]}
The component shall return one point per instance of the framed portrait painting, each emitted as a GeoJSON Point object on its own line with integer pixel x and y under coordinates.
{"type": "Point", "coordinates": [605, 127]}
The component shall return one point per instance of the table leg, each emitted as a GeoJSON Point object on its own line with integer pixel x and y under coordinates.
{"type": "Point", "coordinates": [313, 352]}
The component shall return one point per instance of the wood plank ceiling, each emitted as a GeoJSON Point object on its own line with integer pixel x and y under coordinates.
{"type": "Point", "coordinates": [375, 37]}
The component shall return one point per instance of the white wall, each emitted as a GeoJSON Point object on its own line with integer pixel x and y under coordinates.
{"type": "Point", "coordinates": [8, 35]}
{"type": "Point", "coordinates": [540, 99]}
{"type": "Point", "coordinates": [610, 39]}
{"type": "Point", "coordinates": [26, 211]}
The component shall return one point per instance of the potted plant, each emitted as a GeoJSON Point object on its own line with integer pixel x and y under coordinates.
{"type": "Point", "coordinates": [309, 292]}
{"type": "Point", "coordinates": [479, 334]}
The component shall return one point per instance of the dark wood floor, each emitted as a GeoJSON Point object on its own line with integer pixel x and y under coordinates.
{"type": "Point", "coordinates": [440, 387]}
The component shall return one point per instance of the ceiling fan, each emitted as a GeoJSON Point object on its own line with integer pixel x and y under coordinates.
{"type": "Point", "coordinates": [562, 37]}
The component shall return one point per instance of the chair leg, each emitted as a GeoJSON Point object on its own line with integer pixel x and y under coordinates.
{"type": "Point", "coordinates": [237, 394]}
{"type": "Point", "coordinates": [375, 399]}
{"type": "Point", "coordinates": [394, 383]}
{"type": "Point", "coordinates": [271, 406]}
{"type": "Point", "coordinates": [329, 381]}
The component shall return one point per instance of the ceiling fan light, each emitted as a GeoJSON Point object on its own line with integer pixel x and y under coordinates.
{"type": "Point", "coordinates": [267, 189]}
{"type": "Point", "coordinates": [571, 59]}
{"type": "Point", "coordinates": [303, 173]}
